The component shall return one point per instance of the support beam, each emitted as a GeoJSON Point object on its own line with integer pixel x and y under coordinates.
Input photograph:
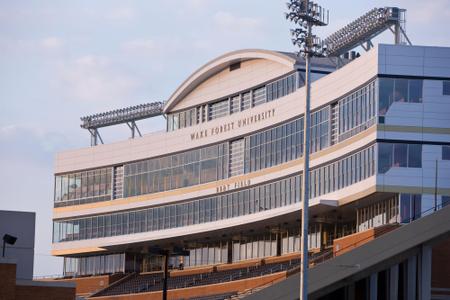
{"type": "Point", "coordinates": [411, 278]}
{"type": "Point", "coordinates": [373, 289]}
{"type": "Point", "coordinates": [133, 127]}
{"type": "Point", "coordinates": [425, 280]}
{"type": "Point", "coordinates": [393, 282]}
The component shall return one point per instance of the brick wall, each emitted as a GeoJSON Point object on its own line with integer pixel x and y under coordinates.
{"type": "Point", "coordinates": [8, 279]}
{"type": "Point", "coordinates": [89, 285]}
{"type": "Point", "coordinates": [25, 292]}
{"type": "Point", "coordinates": [352, 241]}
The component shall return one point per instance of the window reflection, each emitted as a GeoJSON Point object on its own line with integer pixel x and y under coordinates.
{"type": "Point", "coordinates": [398, 155]}
{"type": "Point", "coordinates": [83, 187]}
{"type": "Point", "coordinates": [398, 90]}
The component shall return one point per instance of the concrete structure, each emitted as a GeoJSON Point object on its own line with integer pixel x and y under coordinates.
{"type": "Point", "coordinates": [21, 225]}
{"type": "Point", "coordinates": [224, 181]}
{"type": "Point", "coordinates": [372, 270]}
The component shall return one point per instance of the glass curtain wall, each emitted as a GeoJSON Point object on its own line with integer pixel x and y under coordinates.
{"type": "Point", "coordinates": [83, 187]}
{"type": "Point", "coordinates": [342, 173]}
{"type": "Point", "coordinates": [176, 171]}
{"type": "Point", "coordinates": [274, 146]}
{"type": "Point", "coordinates": [324, 179]}
{"type": "Point", "coordinates": [94, 265]}
{"type": "Point", "coordinates": [357, 111]}
{"type": "Point", "coordinates": [248, 201]}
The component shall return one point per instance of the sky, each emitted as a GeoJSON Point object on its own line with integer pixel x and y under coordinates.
{"type": "Point", "coordinates": [60, 60]}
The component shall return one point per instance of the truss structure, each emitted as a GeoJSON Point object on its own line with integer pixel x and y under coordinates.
{"type": "Point", "coordinates": [361, 31]}
{"type": "Point", "coordinates": [128, 115]}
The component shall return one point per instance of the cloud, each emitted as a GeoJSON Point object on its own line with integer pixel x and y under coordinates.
{"type": "Point", "coordinates": [121, 14]}
{"type": "Point", "coordinates": [51, 43]}
{"type": "Point", "coordinates": [31, 142]}
{"type": "Point", "coordinates": [139, 45]}
{"type": "Point", "coordinates": [227, 22]}
{"type": "Point", "coordinates": [94, 79]}
{"type": "Point", "coordinates": [425, 12]}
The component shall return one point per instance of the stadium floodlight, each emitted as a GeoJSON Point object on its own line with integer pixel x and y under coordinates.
{"type": "Point", "coordinates": [306, 14]}
{"type": "Point", "coordinates": [8, 239]}
{"type": "Point", "coordinates": [365, 28]}
{"type": "Point", "coordinates": [128, 115]}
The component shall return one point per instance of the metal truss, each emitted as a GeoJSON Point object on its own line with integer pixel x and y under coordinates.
{"type": "Point", "coordinates": [128, 115]}
{"type": "Point", "coordinates": [361, 31]}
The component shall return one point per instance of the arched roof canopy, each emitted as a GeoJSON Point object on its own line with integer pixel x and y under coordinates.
{"type": "Point", "coordinates": [222, 62]}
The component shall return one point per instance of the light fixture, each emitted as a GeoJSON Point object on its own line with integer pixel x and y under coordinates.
{"type": "Point", "coordinates": [8, 239]}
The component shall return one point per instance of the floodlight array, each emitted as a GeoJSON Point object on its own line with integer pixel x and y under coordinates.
{"type": "Point", "coordinates": [123, 115]}
{"type": "Point", "coordinates": [362, 29]}
{"type": "Point", "coordinates": [306, 14]}
{"type": "Point", "coordinates": [302, 11]}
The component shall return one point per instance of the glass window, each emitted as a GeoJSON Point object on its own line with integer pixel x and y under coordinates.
{"type": "Point", "coordinates": [386, 88]}
{"type": "Point", "coordinates": [401, 90]}
{"type": "Point", "coordinates": [400, 155]}
{"type": "Point", "coordinates": [415, 90]}
{"type": "Point", "coordinates": [445, 152]}
{"type": "Point", "coordinates": [446, 87]}
{"type": "Point", "coordinates": [414, 156]}
{"type": "Point", "coordinates": [384, 157]}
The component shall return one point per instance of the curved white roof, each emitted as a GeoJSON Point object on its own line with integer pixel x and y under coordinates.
{"type": "Point", "coordinates": [218, 64]}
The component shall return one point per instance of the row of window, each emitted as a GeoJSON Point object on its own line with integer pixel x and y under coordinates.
{"type": "Point", "coordinates": [327, 178]}
{"type": "Point", "coordinates": [236, 103]}
{"type": "Point", "coordinates": [176, 171]}
{"type": "Point", "coordinates": [83, 187]}
{"type": "Point", "coordinates": [357, 111]}
{"type": "Point", "coordinates": [94, 265]}
{"type": "Point", "coordinates": [320, 129]}
{"type": "Point", "coordinates": [283, 86]}
{"type": "Point", "coordinates": [274, 146]}
{"type": "Point", "coordinates": [342, 173]}
{"type": "Point", "coordinates": [264, 197]}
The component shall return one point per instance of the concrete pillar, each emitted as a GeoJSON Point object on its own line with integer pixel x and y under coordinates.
{"type": "Point", "coordinates": [373, 290]}
{"type": "Point", "coordinates": [393, 282]}
{"type": "Point", "coordinates": [411, 278]}
{"type": "Point", "coordinates": [425, 280]}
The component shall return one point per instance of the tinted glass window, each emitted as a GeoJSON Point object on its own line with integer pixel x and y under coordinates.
{"type": "Point", "coordinates": [415, 90]}
{"type": "Point", "coordinates": [415, 156]}
{"type": "Point", "coordinates": [446, 88]}
{"type": "Point", "coordinates": [386, 86]}
{"type": "Point", "coordinates": [401, 90]}
{"type": "Point", "coordinates": [446, 152]}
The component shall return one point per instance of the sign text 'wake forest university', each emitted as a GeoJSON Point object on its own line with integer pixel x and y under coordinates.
{"type": "Point", "coordinates": [233, 125]}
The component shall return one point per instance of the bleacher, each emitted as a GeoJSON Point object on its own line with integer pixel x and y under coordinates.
{"type": "Point", "coordinates": [139, 283]}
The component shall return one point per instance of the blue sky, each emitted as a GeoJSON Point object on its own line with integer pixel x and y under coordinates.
{"type": "Point", "coordinates": [64, 59]}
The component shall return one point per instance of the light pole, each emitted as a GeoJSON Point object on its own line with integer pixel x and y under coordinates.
{"type": "Point", "coordinates": [305, 15]}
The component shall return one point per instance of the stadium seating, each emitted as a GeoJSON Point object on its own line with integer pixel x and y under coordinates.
{"type": "Point", "coordinates": [148, 282]}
